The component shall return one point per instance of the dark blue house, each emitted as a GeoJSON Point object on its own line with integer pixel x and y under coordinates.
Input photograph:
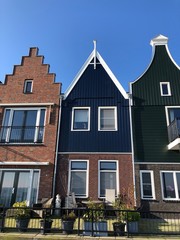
{"type": "Point", "coordinates": [95, 139]}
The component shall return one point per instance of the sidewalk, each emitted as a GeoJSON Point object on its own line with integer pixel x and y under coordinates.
{"type": "Point", "coordinates": [35, 236]}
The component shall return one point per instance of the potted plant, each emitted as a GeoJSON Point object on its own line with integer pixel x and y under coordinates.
{"type": "Point", "coordinates": [68, 222]}
{"type": "Point", "coordinates": [22, 215]}
{"type": "Point", "coordinates": [94, 220]}
{"type": "Point", "coordinates": [119, 207]}
{"type": "Point", "coordinates": [46, 225]}
{"type": "Point", "coordinates": [133, 218]}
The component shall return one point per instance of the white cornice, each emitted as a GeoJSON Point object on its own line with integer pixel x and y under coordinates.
{"type": "Point", "coordinates": [26, 104]}
{"type": "Point", "coordinates": [159, 40]}
{"type": "Point", "coordinates": [24, 163]}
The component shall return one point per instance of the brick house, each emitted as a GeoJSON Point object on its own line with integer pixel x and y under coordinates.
{"type": "Point", "coordinates": [95, 140]}
{"type": "Point", "coordinates": [29, 108]}
{"type": "Point", "coordinates": [155, 122]}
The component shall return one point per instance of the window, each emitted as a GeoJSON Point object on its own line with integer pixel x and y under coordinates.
{"type": "Point", "coordinates": [81, 119]}
{"type": "Point", "coordinates": [28, 86]}
{"type": "Point", "coordinates": [18, 185]}
{"type": "Point", "coordinates": [78, 178]}
{"type": "Point", "coordinates": [173, 114]}
{"type": "Point", "coordinates": [23, 126]}
{"type": "Point", "coordinates": [147, 185]}
{"type": "Point", "coordinates": [165, 89]}
{"type": "Point", "coordinates": [170, 182]}
{"type": "Point", "coordinates": [107, 119]}
{"type": "Point", "coordinates": [108, 177]}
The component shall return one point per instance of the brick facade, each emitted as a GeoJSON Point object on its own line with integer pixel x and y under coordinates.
{"type": "Point", "coordinates": [159, 204]}
{"type": "Point", "coordinates": [125, 173]}
{"type": "Point", "coordinates": [45, 90]}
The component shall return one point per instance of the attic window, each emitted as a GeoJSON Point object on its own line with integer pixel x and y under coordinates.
{"type": "Point", "coordinates": [28, 86]}
{"type": "Point", "coordinates": [80, 119]}
{"type": "Point", "coordinates": [165, 89]}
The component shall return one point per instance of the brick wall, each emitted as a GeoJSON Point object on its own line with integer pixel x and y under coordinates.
{"type": "Point", "coordinates": [158, 204]}
{"type": "Point", "coordinates": [125, 172]}
{"type": "Point", "coordinates": [45, 90]}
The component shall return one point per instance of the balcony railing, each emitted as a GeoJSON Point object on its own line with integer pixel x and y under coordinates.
{"type": "Point", "coordinates": [174, 130]}
{"type": "Point", "coordinates": [19, 134]}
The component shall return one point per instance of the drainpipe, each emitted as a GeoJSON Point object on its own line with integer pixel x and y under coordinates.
{"type": "Point", "coordinates": [57, 145]}
{"type": "Point", "coordinates": [132, 144]}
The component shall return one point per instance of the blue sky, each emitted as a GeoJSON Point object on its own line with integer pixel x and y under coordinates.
{"type": "Point", "coordinates": [64, 31]}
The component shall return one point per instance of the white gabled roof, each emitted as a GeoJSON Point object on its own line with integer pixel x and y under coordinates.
{"type": "Point", "coordinates": [95, 54]}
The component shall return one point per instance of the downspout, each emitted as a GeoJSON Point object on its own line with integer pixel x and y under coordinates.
{"type": "Point", "coordinates": [132, 143]}
{"type": "Point", "coordinates": [56, 153]}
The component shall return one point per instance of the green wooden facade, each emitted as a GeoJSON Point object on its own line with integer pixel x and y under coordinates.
{"type": "Point", "coordinates": [149, 119]}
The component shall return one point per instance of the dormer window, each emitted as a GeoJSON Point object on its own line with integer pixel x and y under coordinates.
{"type": "Point", "coordinates": [165, 89]}
{"type": "Point", "coordinates": [28, 86]}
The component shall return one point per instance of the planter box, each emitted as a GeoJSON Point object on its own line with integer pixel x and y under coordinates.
{"type": "Point", "coordinates": [119, 228]}
{"type": "Point", "coordinates": [22, 224]}
{"type": "Point", "coordinates": [133, 227]}
{"type": "Point", "coordinates": [68, 227]}
{"type": "Point", "coordinates": [100, 228]}
{"type": "Point", "coordinates": [45, 226]}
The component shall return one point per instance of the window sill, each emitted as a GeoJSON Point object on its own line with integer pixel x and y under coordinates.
{"type": "Point", "coordinates": [22, 144]}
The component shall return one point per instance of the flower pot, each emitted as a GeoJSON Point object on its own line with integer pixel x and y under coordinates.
{"type": "Point", "coordinates": [119, 228]}
{"type": "Point", "coordinates": [99, 228]}
{"type": "Point", "coordinates": [22, 224]}
{"type": "Point", "coordinates": [133, 227]}
{"type": "Point", "coordinates": [45, 226]}
{"type": "Point", "coordinates": [68, 226]}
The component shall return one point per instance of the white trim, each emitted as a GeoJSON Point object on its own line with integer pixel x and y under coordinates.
{"type": "Point", "coordinates": [117, 175]}
{"type": "Point", "coordinates": [152, 185]}
{"type": "Point", "coordinates": [115, 118]}
{"type": "Point", "coordinates": [25, 163]}
{"type": "Point", "coordinates": [159, 40]}
{"type": "Point", "coordinates": [25, 85]}
{"type": "Point", "coordinates": [105, 66]}
{"type": "Point", "coordinates": [174, 145]}
{"type": "Point", "coordinates": [26, 104]}
{"type": "Point", "coordinates": [72, 119]}
{"type": "Point", "coordinates": [92, 153]}
{"type": "Point", "coordinates": [10, 122]}
{"type": "Point", "coordinates": [168, 88]}
{"type": "Point", "coordinates": [156, 163]}
{"type": "Point", "coordinates": [87, 176]}
{"type": "Point", "coordinates": [175, 184]}
{"type": "Point", "coordinates": [167, 115]}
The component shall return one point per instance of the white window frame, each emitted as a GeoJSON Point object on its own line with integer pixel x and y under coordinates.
{"type": "Point", "coordinates": [167, 108]}
{"type": "Point", "coordinates": [175, 185]}
{"type": "Point", "coordinates": [72, 120]}
{"type": "Point", "coordinates": [115, 118]}
{"type": "Point", "coordinates": [99, 176]}
{"type": "Point", "coordinates": [152, 184]}
{"type": "Point", "coordinates": [11, 120]}
{"type": "Point", "coordinates": [87, 176]}
{"type": "Point", "coordinates": [25, 85]}
{"type": "Point", "coordinates": [168, 87]}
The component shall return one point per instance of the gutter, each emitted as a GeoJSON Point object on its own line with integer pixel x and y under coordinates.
{"type": "Point", "coordinates": [56, 153]}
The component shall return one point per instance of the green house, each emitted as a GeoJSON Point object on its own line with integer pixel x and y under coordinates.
{"type": "Point", "coordinates": [155, 109]}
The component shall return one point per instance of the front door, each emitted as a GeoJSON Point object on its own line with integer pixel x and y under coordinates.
{"type": "Point", "coordinates": [17, 186]}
